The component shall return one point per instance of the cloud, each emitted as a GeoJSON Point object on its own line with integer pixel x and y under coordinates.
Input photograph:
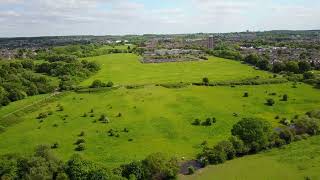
{"type": "Point", "coordinates": [68, 17]}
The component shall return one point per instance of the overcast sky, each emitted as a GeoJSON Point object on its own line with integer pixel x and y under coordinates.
{"type": "Point", "coordinates": [102, 17]}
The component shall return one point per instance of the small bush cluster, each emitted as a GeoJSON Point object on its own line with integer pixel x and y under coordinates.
{"type": "Point", "coordinates": [100, 84]}
{"type": "Point", "coordinates": [207, 122]}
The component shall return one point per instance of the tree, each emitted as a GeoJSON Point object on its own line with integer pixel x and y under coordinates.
{"type": "Point", "coordinates": [304, 66]}
{"type": "Point", "coordinates": [263, 64]}
{"type": "Point", "coordinates": [252, 59]}
{"type": "Point", "coordinates": [255, 133]}
{"type": "Point", "coordinates": [292, 67]}
{"type": "Point", "coordinates": [308, 75]}
{"type": "Point", "coordinates": [278, 67]}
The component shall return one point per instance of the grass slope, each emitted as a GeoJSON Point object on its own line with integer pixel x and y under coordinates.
{"type": "Point", "coordinates": [127, 69]}
{"type": "Point", "coordinates": [295, 162]}
{"type": "Point", "coordinates": [158, 119]}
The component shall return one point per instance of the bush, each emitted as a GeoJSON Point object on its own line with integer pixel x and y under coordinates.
{"type": "Point", "coordinates": [285, 98]}
{"type": "Point", "coordinates": [97, 84]}
{"type": "Point", "coordinates": [109, 84]}
{"type": "Point", "coordinates": [80, 147]}
{"type": "Point", "coordinates": [287, 135]}
{"type": "Point", "coordinates": [82, 133]}
{"type": "Point", "coordinates": [227, 147]}
{"type": "Point", "coordinates": [270, 102]}
{"type": "Point", "coordinates": [55, 146]}
{"type": "Point", "coordinates": [238, 145]}
{"type": "Point", "coordinates": [42, 115]}
{"type": "Point", "coordinates": [207, 122]}
{"type": "Point", "coordinates": [196, 122]}
{"type": "Point", "coordinates": [80, 141]}
{"type": "Point", "coordinates": [205, 80]}
{"type": "Point", "coordinates": [159, 166]}
{"type": "Point", "coordinates": [246, 94]}
{"type": "Point", "coordinates": [306, 125]}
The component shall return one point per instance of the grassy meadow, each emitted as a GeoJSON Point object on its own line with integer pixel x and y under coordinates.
{"type": "Point", "coordinates": [296, 161]}
{"type": "Point", "coordinates": [126, 69]}
{"type": "Point", "coordinates": [158, 119]}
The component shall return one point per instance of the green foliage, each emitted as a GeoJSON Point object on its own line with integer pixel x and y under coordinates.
{"type": "Point", "coordinates": [255, 133]}
{"type": "Point", "coordinates": [292, 66]}
{"type": "Point", "coordinates": [270, 102]}
{"type": "Point", "coordinates": [307, 125]}
{"type": "Point", "coordinates": [158, 166]}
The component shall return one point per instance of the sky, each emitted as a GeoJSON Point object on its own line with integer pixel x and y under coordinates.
{"type": "Point", "coordinates": [24, 18]}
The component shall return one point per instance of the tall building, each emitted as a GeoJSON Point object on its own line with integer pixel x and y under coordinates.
{"type": "Point", "coordinates": [210, 42]}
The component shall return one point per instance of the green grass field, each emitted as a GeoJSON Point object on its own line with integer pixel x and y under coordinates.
{"type": "Point", "coordinates": [158, 119]}
{"type": "Point", "coordinates": [126, 69]}
{"type": "Point", "coordinates": [295, 162]}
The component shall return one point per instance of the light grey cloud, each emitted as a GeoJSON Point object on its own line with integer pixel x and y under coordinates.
{"type": "Point", "coordinates": [68, 17]}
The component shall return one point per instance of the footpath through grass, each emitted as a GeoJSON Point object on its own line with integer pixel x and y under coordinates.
{"type": "Point", "coordinates": [126, 69]}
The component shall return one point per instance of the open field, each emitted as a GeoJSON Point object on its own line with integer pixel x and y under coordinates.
{"type": "Point", "coordinates": [295, 162]}
{"type": "Point", "coordinates": [126, 69]}
{"type": "Point", "coordinates": [158, 119]}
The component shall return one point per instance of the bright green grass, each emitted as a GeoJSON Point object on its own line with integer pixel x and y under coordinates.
{"type": "Point", "coordinates": [127, 69]}
{"type": "Point", "coordinates": [20, 104]}
{"type": "Point", "coordinates": [158, 119]}
{"type": "Point", "coordinates": [295, 162]}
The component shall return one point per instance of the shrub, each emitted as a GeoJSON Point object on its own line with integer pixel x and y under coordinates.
{"type": "Point", "coordinates": [55, 146]}
{"type": "Point", "coordinates": [306, 125]}
{"type": "Point", "coordinates": [196, 122]}
{"type": "Point", "coordinates": [287, 135]}
{"type": "Point", "coordinates": [135, 168]}
{"type": "Point", "coordinates": [246, 94]}
{"type": "Point", "coordinates": [239, 146]}
{"type": "Point", "coordinates": [109, 84]}
{"type": "Point", "coordinates": [205, 80]}
{"type": "Point", "coordinates": [208, 122]}
{"type": "Point", "coordinates": [214, 120]}
{"type": "Point", "coordinates": [82, 133]}
{"type": "Point", "coordinates": [191, 170]}
{"type": "Point", "coordinates": [84, 115]}
{"type": "Point", "coordinates": [270, 102]}
{"type": "Point", "coordinates": [97, 84]}
{"type": "Point", "coordinates": [103, 118]}
{"type": "Point", "coordinates": [80, 147]}
{"type": "Point", "coordinates": [42, 115]}
{"type": "Point", "coordinates": [285, 97]}
{"type": "Point", "coordinates": [227, 147]}
{"type": "Point", "coordinates": [80, 141]}
{"type": "Point", "coordinates": [60, 108]}
{"type": "Point", "coordinates": [159, 166]}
